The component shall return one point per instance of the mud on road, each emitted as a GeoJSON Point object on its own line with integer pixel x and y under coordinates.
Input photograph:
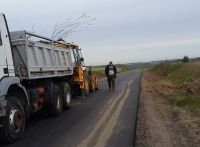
{"type": "Point", "coordinates": [161, 124]}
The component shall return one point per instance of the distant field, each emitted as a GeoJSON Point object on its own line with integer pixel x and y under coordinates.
{"type": "Point", "coordinates": [180, 83]}
{"type": "Point", "coordinates": [100, 70]}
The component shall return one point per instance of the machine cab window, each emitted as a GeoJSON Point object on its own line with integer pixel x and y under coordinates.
{"type": "Point", "coordinates": [0, 39]}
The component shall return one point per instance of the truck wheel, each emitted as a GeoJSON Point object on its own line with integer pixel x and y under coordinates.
{"type": "Point", "coordinates": [13, 122]}
{"type": "Point", "coordinates": [56, 101]}
{"type": "Point", "coordinates": [66, 94]}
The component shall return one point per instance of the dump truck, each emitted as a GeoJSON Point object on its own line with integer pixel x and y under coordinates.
{"type": "Point", "coordinates": [37, 73]}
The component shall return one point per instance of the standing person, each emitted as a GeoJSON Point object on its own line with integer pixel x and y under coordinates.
{"type": "Point", "coordinates": [111, 73]}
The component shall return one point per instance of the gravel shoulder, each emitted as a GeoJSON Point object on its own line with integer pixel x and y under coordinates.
{"type": "Point", "coordinates": [162, 124]}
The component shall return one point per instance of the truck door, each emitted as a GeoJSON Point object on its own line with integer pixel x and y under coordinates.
{"type": "Point", "coordinates": [6, 59]}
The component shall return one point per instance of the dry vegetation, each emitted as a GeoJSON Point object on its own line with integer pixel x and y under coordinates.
{"type": "Point", "coordinates": [180, 83]}
{"type": "Point", "coordinates": [170, 106]}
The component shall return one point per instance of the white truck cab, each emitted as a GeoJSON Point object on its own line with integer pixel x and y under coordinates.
{"type": "Point", "coordinates": [6, 59]}
{"type": "Point", "coordinates": [8, 83]}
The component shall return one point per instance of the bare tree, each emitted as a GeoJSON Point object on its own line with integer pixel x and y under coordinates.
{"type": "Point", "coordinates": [62, 29]}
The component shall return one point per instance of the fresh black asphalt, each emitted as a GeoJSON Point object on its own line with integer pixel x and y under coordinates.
{"type": "Point", "coordinates": [75, 124]}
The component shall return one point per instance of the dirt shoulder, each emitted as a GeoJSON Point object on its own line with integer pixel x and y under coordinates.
{"type": "Point", "coordinates": [162, 124]}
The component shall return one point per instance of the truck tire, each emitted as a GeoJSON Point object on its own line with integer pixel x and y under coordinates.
{"type": "Point", "coordinates": [55, 101]}
{"type": "Point", "coordinates": [66, 95]}
{"type": "Point", "coordinates": [13, 122]}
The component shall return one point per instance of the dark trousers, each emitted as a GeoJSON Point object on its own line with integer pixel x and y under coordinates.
{"type": "Point", "coordinates": [111, 82]}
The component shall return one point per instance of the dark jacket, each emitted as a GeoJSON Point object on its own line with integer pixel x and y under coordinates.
{"type": "Point", "coordinates": [107, 70]}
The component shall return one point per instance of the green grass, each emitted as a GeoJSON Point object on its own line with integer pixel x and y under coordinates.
{"type": "Point", "coordinates": [165, 68]}
{"type": "Point", "coordinates": [98, 71]}
{"type": "Point", "coordinates": [186, 73]}
{"type": "Point", "coordinates": [178, 74]}
{"type": "Point", "coordinates": [191, 102]}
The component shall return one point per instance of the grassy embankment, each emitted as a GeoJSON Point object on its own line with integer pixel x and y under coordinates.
{"type": "Point", "coordinates": [180, 83]}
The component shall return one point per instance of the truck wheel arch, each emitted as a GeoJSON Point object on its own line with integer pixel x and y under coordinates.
{"type": "Point", "coordinates": [20, 92]}
{"type": "Point", "coordinates": [12, 86]}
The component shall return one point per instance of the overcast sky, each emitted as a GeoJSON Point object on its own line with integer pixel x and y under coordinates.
{"type": "Point", "coordinates": [124, 30]}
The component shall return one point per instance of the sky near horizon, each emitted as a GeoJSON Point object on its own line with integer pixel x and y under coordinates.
{"type": "Point", "coordinates": [124, 30]}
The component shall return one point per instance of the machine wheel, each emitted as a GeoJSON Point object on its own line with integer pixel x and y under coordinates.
{"type": "Point", "coordinates": [55, 101]}
{"type": "Point", "coordinates": [66, 94]}
{"type": "Point", "coordinates": [86, 87]}
{"type": "Point", "coordinates": [96, 83]}
{"type": "Point", "coordinates": [92, 86]}
{"type": "Point", "coordinates": [13, 122]}
{"type": "Point", "coordinates": [86, 91]}
{"type": "Point", "coordinates": [82, 93]}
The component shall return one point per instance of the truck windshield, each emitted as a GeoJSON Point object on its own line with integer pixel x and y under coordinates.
{"type": "Point", "coordinates": [0, 39]}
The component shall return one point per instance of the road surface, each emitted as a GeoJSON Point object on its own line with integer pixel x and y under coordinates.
{"type": "Point", "coordinates": [104, 118]}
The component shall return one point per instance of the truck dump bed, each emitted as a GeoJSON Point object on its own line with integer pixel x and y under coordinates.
{"type": "Point", "coordinates": [37, 56]}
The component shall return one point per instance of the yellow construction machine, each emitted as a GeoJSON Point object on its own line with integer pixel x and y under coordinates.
{"type": "Point", "coordinates": [83, 79]}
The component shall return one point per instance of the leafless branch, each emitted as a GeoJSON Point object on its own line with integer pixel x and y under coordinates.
{"type": "Point", "coordinates": [62, 29]}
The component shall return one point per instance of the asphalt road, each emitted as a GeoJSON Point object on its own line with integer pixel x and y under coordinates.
{"type": "Point", "coordinates": [104, 118]}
